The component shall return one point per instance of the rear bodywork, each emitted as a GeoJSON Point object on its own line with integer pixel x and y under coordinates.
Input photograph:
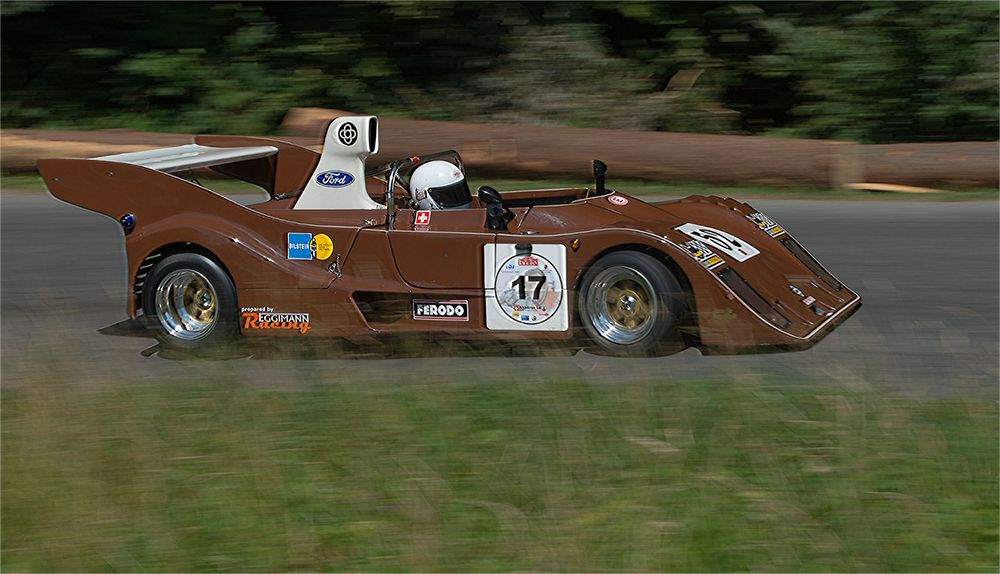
{"type": "Point", "coordinates": [348, 271]}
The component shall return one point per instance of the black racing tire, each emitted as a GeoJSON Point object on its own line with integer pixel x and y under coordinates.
{"type": "Point", "coordinates": [191, 302]}
{"type": "Point", "coordinates": [630, 305]}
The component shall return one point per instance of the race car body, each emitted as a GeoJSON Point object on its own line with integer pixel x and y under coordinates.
{"type": "Point", "coordinates": [340, 251]}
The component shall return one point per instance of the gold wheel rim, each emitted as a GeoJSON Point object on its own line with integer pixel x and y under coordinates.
{"type": "Point", "coordinates": [628, 304]}
{"type": "Point", "coordinates": [186, 304]}
{"type": "Point", "coordinates": [621, 304]}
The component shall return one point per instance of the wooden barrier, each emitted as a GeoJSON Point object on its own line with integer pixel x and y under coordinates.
{"type": "Point", "coordinates": [505, 151]}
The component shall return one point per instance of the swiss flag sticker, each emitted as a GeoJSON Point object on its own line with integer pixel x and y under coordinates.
{"type": "Point", "coordinates": [423, 218]}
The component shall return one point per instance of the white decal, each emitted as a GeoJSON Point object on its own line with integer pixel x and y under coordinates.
{"type": "Point", "coordinates": [703, 254]}
{"type": "Point", "coordinates": [731, 245]}
{"type": "Point", "coordinates": [766, 223]}
{"type": "Point", "coordinates": [525, 287]}
{"type": "Point", "coordinates": [618, 200]}
{"type": "Point", "coordinates": [528, 288]}
{"type": "Point", "coordinates": [441, 310]}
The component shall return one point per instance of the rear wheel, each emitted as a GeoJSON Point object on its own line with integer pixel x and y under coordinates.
{"type": "Point", "coordinates": [630, 303]}
{"type": "Point", "coordinates": [192, 301]}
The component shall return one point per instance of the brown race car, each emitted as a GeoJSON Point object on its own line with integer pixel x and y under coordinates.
{"type": "Point", "coordinates": [340, 251]}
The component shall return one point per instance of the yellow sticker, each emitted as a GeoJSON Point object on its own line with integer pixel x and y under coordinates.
{"type": "Point", "coordinates": [321, 246]}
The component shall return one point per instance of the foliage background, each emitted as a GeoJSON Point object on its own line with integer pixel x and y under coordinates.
{"type": "Point", "coordinates": [873, 72]}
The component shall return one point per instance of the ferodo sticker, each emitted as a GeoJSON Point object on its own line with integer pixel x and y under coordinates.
{"type": "Point", "coordinates": [528, 288]}
{"type": "Point", "coordinates": [719, 240]}
{"type": "Point", "coordinates": [266, 318]}
{"type": "Point", "coordinates": [306, 246]}
{"type": "Point", "coordinates": [441, 310]}
{"type": "Point", "coordinates": [703, 254]}
{"type": "Point", "coordinates": [766, 223]}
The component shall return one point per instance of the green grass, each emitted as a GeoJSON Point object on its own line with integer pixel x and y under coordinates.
{"type": "Point", "coordinates": [21, 183]}
{"type": "Point", "coordinates": [449, 475]}
{"type": "Point", "coordinates": [33, 184]}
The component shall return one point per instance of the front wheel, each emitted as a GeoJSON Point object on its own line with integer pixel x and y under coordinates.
{"type": "Point", "coordinates": [193, 301]}
{"type": "Point", "coordinates": [630, 304]}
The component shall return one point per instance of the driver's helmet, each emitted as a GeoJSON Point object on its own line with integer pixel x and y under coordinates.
{"type": "Point", "coordinates": [439, 185]}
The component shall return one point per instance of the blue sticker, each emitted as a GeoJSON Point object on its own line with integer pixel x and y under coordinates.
{"type": "Point", "coordinates": [298, 246]}
{"type": "Point", "coordinates": [334, 178]}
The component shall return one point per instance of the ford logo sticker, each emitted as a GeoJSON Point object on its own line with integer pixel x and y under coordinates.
{"type": "Point", "coordinates": [334, 179]}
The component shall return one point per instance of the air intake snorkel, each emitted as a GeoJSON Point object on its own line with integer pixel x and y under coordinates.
{"type": "Point", "coordinates": [600, 170]}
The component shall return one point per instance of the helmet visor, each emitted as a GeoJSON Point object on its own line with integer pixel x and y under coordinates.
{"type": "Point", "coordinates": [454, 195]}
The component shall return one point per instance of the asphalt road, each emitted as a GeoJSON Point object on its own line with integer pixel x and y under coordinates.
{"type": "Point", "coordinates": [928, 273]}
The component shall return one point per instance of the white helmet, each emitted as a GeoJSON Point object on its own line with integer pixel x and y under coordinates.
{"type": "Point", "coordinates": [439, 185]}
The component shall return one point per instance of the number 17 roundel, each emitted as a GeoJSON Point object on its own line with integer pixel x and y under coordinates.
{"type": "Point", "coordinates": [528, 288]}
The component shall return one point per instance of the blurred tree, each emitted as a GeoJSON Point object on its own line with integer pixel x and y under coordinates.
{"type": "Point", "coordinates": [559, 64]}
{"type": "Point", "coordinates": [57, 64]}
{"type": "Point", "coordinates": [188, 67]}
{"type": "Point", "coordinates": [881, 72]}
{"type": "Point", "coordinates": [867, 71]}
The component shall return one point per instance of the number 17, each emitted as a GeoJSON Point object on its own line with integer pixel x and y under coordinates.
{"type": "Point", "coordinates": [519, 283]}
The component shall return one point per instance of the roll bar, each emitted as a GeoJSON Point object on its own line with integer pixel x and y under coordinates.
{"type": "Point", "coordinates": [394, 169]}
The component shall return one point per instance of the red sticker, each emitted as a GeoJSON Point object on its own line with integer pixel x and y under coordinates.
{"type": "Point", "coordinates": [423, 218]}
{"type": "Point", "coordinates": [617, 199]}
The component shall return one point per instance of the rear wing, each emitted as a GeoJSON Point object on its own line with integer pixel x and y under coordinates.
{"type": "Point", "coordinates": [190, 157]}
{"type": "Point", "coordinates": [280, 168]}
{"type": "Point", "coordinates": [333, 179]}
{"type": "Point", "coordinates": [148, 180]}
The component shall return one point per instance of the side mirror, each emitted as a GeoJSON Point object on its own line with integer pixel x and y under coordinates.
{"type": "Point", "coordinates": [497, 216]}
{"type": "Point", "coordinates": [489, 196]}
